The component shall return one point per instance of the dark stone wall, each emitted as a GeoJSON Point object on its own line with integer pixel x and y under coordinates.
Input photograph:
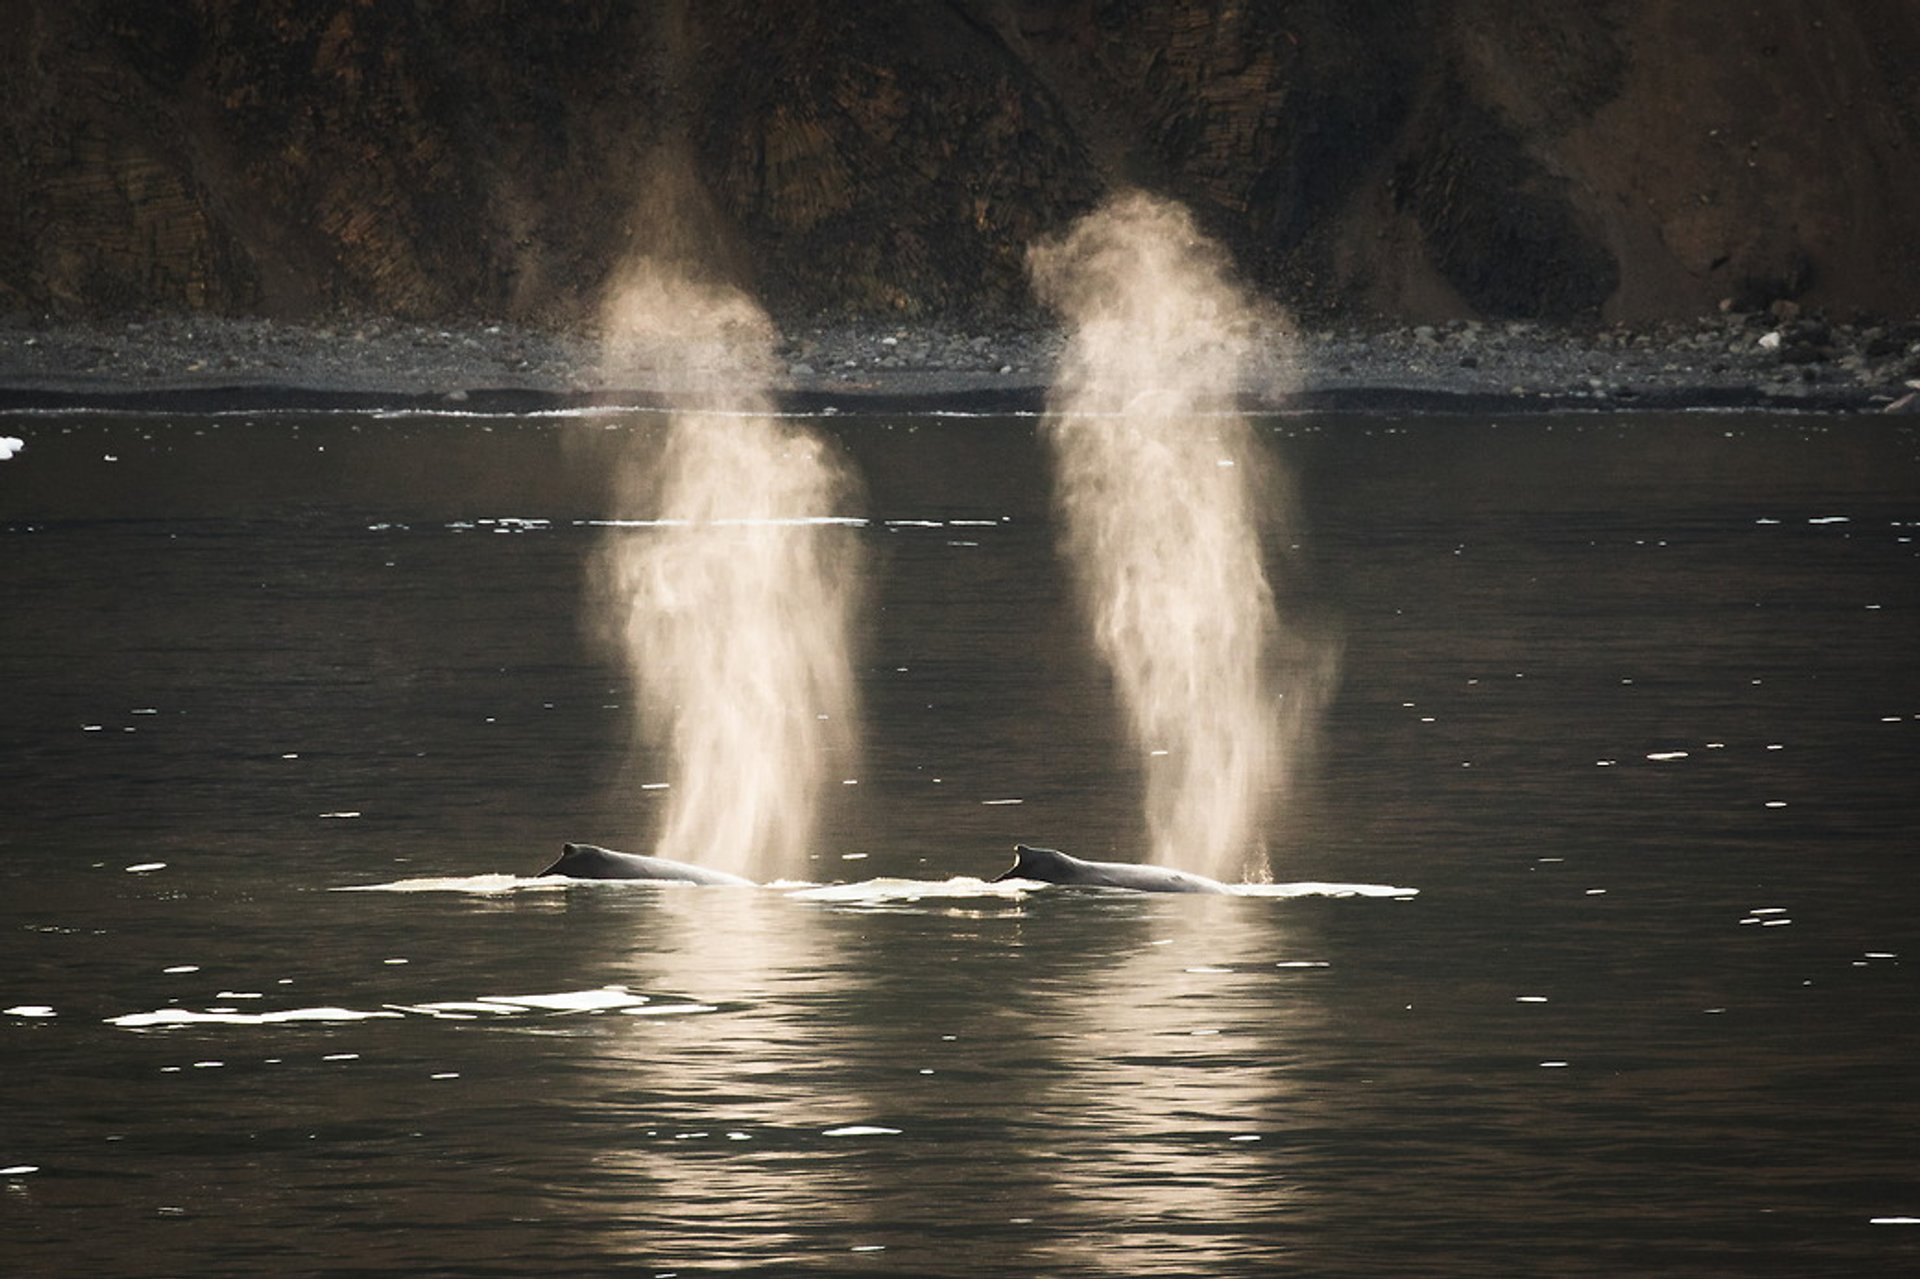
{"type": "Point", "coordinates": [1625, 159]}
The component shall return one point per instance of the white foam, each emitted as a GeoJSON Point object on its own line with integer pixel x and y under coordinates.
{"type": "Point", "coordinates": [28, 1010]}
{"type": "Point", "coordinates": [1321, 888]}
{"type": "Point", "coordinates": [10, 445]}
{"type": "Point", "coordinates": [885, 890]}
{"type": "Point", "coordinates": [861, 1130]}
{"type": "Point", "coordinates": [794, 521]}
{"type": "Point", "coordinates": [668, 1010]}
{"type": "Point", "coordinates": [484, 884]}
{"type": "Point", "coordinates": [186, 1017]}
{"type": "Point", "coordinates": [598, 999]}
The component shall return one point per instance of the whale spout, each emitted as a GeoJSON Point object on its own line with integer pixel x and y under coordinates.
{"type": "Point", "coordinates": [590, 861]}
{"type": "Point", "coordinates": [1051, 866]}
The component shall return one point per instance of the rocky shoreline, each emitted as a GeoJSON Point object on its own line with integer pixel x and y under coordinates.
{"type": "Point", "coordinates": [1777, 360]}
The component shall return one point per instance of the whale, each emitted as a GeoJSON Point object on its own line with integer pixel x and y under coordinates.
{"type": "Point", "coordinates": [590, 861]}
{"type": "Point", "coordinates": [1050, 866]}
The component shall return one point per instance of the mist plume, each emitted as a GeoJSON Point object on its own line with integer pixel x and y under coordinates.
{"type": "Point", "coordinates": [731, 580]}
{"type": "Point", "coordinates": [1163, 492]}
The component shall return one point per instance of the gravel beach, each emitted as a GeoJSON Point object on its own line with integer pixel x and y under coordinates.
{"type": "Point", "coordinates": [1732, 360]}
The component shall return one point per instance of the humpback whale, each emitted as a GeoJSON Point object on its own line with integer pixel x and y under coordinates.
{"type": "Point", "coordinates": [1052, 867]}
{"type": "Point", "coordinates": [590, 861]}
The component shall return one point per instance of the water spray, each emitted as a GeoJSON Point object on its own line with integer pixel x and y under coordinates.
{"type": "Point", "coordinates": [1159, 484]}
{"type": "Point", "coordinates": [734, 604]}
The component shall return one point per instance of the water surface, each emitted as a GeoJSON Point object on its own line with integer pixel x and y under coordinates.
{"type": "Point", "coordinates": [1631, 701]}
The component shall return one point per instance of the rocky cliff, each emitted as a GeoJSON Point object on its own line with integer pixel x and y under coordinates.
{"type": "Point", "coordinates": [1419, 159]}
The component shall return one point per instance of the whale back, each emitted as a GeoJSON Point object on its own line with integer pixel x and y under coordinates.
{"type": "Point", "coordinates": [1051, 866]}
{"type": "Point", "coordinates": [590, 861]}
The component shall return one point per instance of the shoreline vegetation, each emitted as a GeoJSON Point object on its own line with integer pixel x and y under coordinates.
{"type": "Point", "coordinates": [1760, 359]}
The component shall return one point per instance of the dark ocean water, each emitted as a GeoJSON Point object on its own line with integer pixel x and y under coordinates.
{"type": "Point", "coordinates": [1631, 702]}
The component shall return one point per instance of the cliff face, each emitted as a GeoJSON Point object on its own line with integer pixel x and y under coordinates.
{"type": "Point", "coordinates": [1421, 159]}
